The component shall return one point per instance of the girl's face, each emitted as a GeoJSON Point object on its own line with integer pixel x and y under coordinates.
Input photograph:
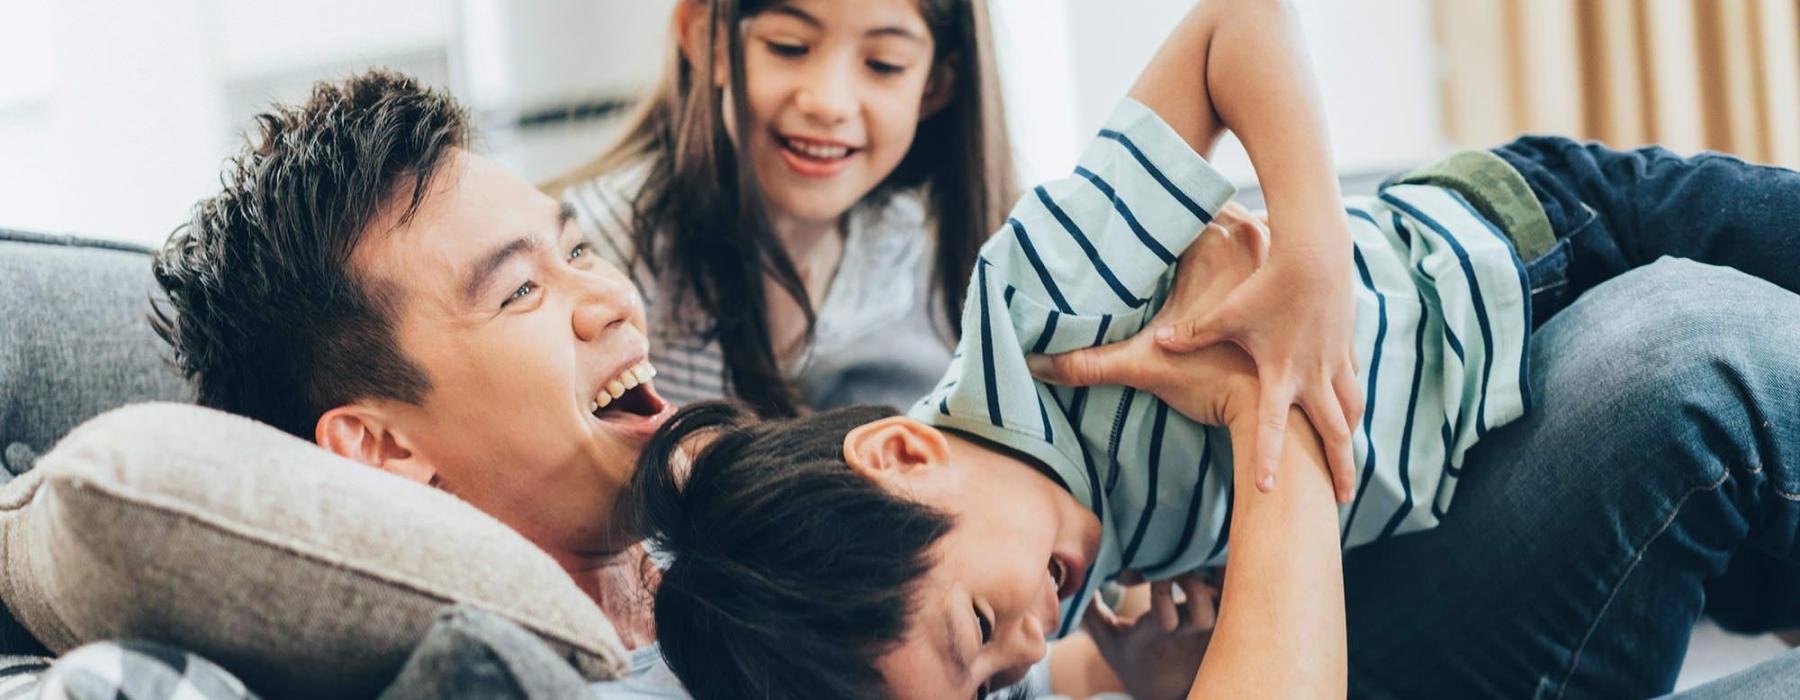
{"type": "Point", "coordinates": [836, 91]}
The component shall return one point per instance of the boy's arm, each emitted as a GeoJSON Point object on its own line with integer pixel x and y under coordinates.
{"type": "Point", "coordinates": [1280, 629]}
{"type": "Point", "coordinates": [1241, 65]}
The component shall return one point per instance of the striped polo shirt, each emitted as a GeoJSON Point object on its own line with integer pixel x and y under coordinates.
{"type": "Point", "coordinates": [1442, 321]}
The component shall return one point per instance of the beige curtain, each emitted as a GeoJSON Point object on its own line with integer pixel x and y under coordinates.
{"type": "Point", "coordinates": [1689, 74]}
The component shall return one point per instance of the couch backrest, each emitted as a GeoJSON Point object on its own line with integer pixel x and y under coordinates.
{"type": "Point", "coordinates": [75, 339]}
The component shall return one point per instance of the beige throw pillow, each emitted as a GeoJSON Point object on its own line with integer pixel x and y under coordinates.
{"type": "Point", "coordinates": [303, 573]}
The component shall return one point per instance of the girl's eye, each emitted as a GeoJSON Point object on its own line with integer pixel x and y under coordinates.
{"type": "Point", "coordinates": [523, 291]}
{"type": "Point", "coordinates": [580, 250]}
{"type": "Point", "coordinates": [885, 68]}
{"type": "Point", "coordinates": [787, 50]}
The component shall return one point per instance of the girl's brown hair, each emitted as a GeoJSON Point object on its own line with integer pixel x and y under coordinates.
{"type": "Point", "coordinates": [699, 220]}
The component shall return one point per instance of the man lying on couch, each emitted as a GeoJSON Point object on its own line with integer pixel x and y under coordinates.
{"type": "Point", "coordinates": [366, 282]}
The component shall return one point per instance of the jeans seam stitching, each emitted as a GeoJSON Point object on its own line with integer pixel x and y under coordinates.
{"type": "Point", "coordinates": [1636, 559]}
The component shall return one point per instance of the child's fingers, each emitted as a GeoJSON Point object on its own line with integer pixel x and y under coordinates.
{"type": "Point", "coordinates": [1100, 622]}
{"type": "Point", "coordinates": [1162, 605]}
{"type": "Point", "coordinates": [1183, 336]}
{"type": "Point", "coordinates": [1105, 364]}
{"type": "Point", "coordinates": [1328, 418]}
{"type": "Point", "coordinates": [1198, 613]}
{"type": "Point", "coordinates": [1349, 394]}
{"type": "Point", "coordinates": [1271, 427]}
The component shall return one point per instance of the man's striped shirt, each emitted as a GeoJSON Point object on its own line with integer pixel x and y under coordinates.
{"type": "Point", "coordinates": [1442, 320]}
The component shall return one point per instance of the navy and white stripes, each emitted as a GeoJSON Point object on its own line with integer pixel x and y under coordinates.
{"type": "Point", "coordinates": [1087, 260]}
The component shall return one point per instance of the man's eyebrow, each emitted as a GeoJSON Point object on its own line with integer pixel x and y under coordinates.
{"type": "Point", "coordinates": [482, 274]}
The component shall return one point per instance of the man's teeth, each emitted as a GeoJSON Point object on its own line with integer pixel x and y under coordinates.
{"type": "Point", "coordinates": [819, 151]}
{"type": "Point", "coordinates": [629, 379]}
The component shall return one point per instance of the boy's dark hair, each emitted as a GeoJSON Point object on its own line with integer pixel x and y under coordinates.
{"type": "Point", "coordinates": [790, 573]}
{"type": "Point", "coordinates": [266, 314]}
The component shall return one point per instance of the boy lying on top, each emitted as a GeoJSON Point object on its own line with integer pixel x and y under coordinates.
{"type": "Point", "coordinates": [860, 553]}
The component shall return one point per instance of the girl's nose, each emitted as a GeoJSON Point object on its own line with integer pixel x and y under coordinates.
{"type": "Point", "coordinates": [827, 98]}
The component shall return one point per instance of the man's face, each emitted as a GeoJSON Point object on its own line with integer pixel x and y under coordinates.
{"type": "Point", "coordinates": [519, 326]}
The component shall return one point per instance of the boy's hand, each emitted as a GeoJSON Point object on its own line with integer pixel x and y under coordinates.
{"type": "Point", "coordinates": [1216, 385]}
{"type": "Point", "coordinates": [1295, 315]}
{"type": "Point", "coordinates": [1156, 655]}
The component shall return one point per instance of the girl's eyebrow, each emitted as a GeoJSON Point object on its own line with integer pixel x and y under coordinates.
{"type": "Point", "coordinates": [806, 17]}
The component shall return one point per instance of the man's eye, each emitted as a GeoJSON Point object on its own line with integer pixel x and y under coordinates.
{"type": "Point", "coordinates": [786, 50]}
{"type": "Point", "coordinates": [987, 626]}
{"type": "Point", "coordinates": [523, 291]}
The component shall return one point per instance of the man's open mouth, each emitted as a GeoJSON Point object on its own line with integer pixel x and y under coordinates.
{"type": "Point", "coordinates": [628, 396]}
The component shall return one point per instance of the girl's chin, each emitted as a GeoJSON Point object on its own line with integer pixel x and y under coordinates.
{"type": "Point", "coordinates": [813, 207]}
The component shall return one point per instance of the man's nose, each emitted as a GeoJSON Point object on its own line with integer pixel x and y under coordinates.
{"type": "Point", "coordinates": [603, 306]}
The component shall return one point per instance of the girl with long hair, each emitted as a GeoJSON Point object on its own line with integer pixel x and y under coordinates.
{"type": "Point", "coordinates": [802, 197]}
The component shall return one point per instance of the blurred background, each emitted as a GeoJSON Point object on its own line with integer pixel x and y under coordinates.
{"type": "Point", "coordinates": [116, 115]}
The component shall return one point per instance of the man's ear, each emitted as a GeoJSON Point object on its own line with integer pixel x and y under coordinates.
{"type": "Point", "coordinates": [693, 25]}
{"type": "Point", "coordinates": [365, 434]}
{"type": "Point", "coordinates": [939, 88]}
{"type": "Point", "coordinates": [895, 448]}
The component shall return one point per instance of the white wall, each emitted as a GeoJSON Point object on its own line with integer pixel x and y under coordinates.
{"type": "Point", "coordinates": [1373, 60]}
{"type": "Point", "coordinates": [116, 116]}
{"type": "Point", "coordinates": [128, 132]}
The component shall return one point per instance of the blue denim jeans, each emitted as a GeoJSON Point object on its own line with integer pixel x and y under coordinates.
{"type": "Point", "coordinates": [1660, 465]}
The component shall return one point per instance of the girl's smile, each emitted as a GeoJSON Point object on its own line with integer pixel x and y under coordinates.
{"type": "Point", "coordinates": [814, 157]}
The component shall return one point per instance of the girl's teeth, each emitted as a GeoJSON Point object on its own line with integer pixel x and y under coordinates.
{"type": "Point", "coordinates": [602, 400]}
{"type": "Point", "coordinates": [820, 152]}
{"type": "Point", "coordinates": [615, 388]}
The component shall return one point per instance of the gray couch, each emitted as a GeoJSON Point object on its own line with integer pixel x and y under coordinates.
{"type": "Point", "coordinates": [74, 341]}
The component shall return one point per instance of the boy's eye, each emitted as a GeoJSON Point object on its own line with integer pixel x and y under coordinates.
{"type": "Point", "coordinates": [523, 291]}
{"type": "Point", "coordinates": [786, 50]}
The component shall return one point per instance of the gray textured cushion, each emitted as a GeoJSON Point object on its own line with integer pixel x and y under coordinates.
{"type": "Point", "coordinates": [470, 653]}
{"type": "Point", "coordinates": [305, 574]}
{"type": "Point", "coordinates": [74, 338]}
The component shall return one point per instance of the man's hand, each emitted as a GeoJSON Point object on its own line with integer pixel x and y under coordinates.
{"type": "Point", "coordinates": [1217, 383]}
{"type": "Point", "coordinates": [1295, 316]}
{"type": "Point", "coordinates": [1156, 655]}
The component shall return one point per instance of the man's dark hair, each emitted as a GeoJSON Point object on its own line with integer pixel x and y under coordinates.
{"type": "Point", "coordinates": [266, 314]}
{"type": "Point", "coordinates": [790, 574]}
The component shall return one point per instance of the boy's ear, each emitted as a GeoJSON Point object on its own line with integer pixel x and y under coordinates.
{"type": "Point", "coordinates": [894, 448]}
{"type": "Point", "coordinates": [693, 20]}
{"type": "Point", "coordinates": [939, 88]}
{"type": "Point", "coordinates": [365, 433]}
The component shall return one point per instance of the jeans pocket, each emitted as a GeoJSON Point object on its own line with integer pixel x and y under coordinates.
{"type": "Point", "coordinates": [1549, 278]}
